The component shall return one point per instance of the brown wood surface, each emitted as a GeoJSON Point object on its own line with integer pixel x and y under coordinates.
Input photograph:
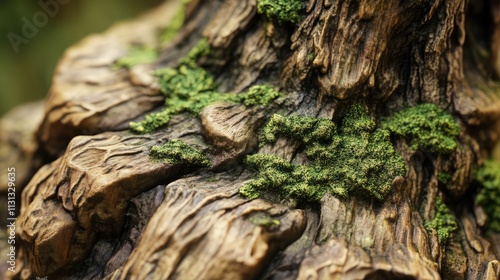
{"type": "Point", "coordinates": [99, 208]}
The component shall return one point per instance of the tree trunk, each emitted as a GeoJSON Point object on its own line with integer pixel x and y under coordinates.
{"type": "Point", "coordinates": [100, 208]}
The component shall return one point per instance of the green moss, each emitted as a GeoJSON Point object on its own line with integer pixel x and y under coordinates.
{"type": "Point", "coordinates": [151, 122]}
{"type": "Point", "coordinates": [443, 222]}
{"type": "Point", "coordinates": [259, 95]}
{"type": "Point", "coordinates": [305, 129]}
{"type": "Point", "coordinates": [358, 159]}
{"type": "Point", "coordinates": [425, 126]}
{"type": "Point", "coordinates": [137, 55]}
{"type": "Point", "coordinates": [178, 152]}
{"type": "Point", "coordinates": [299, 182]}
{"type": "Point", "coordinates": [281, 10]}
{"type": "Point", "coordinates": [202, 48]}
{"type": "Point", "coordinates": [489, 195]}
{"type": "Point", "coordinates": [175, 25]}
{"type": "Point", "coordinates": [189, 88]}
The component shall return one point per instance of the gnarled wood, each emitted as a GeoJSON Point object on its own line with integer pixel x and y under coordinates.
{"type": "Point", "coordinates": [88, 211]}
{"type": "Point", "coordinates": [89, 95]}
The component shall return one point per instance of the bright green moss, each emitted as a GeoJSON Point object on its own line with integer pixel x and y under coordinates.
{"type": "Point", "coordinates": [189, 88]}
{"type": "Point", "coordinates": [137, 55]}
{"type": "Point", "coordinates": [178, 152]}
{"type": "Point", "coordinates": [281, 10]}
{"type": "Point", "coordinates": [186, 89]}
{"type": "Point", "coordinates": [489, 195]}
{"type": "Point", "coordinates": [425, 126]}
{"type": "Point", "coordinates": [358, 159]}
{"type": "Point", "coordinates": [151, 122]}
{"type": "Point", "coordinates": [443, 222]}
{"type": "Point", "coordinates": [259, 95]}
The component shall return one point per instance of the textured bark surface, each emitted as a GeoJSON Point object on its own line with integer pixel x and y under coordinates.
{"type": "Point", "coordinates": [104, 210]}
{"type": "Point", "coordinates": [88, 94]}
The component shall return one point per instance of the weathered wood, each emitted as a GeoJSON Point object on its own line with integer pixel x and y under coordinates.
{"type": "Point", "coordinates": [197, 233]}
{"type": "Point", "coordinates": [88, 95]}
{"type": "Point", "coordinates": [18, 144]}
{"type": "Point", "coordinates": [88, 213]}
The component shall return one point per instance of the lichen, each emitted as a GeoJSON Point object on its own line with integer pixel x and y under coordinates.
{"type": "Point", "coordinates": [488, 197]}
{"type": "Point", "coordinates": [443, 222]}
{"type": "Point", "coordinates": [189, 88]}
{"type": "Point", "coordinates": [137, 55]}
{"type": "Point", "coordinates": [281, 10]}
{"type": "Point", "coordinates": [178, 152]}
{"type": "Point", "coordinates": [425, 126]}
{"type": "Point", "coordinates": [356, 159]}
{"type": "Point", "coordinates": [175, 25]}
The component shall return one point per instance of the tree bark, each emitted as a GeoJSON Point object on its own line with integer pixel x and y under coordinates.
{"type": "Point", "coordinates": [99, 208]}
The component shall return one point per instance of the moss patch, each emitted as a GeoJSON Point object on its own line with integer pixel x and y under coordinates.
{"type": "Point", "coordinates": [358, 159]}
{"type": "Point", "coordinates": [489, 195]}
{"type": "Point", "coordinates": [443, 222]}
{"type": "Point", "coordinates": [425, 126]}
{"type": "Point", "coordinates": [178, 152]}
{"type": "Point", "coordinates": [281, 10]}
{"type": "Point", "coordinates": [137, 55]}
{"type": "Point", "coordinates": [304, 129]}
{"type": "Point", "coordinates": [202, 48]}
{"type": "Point", "coordinates": [259, 95]}
{"type": "Point", "coordinates": [189, 88]}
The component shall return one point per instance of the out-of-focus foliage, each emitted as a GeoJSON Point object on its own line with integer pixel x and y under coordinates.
{"type": "Point", "coordinates": [26, 75]}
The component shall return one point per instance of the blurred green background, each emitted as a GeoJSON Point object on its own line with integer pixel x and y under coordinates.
{"type": "Point", "coordinates": [26, 76]}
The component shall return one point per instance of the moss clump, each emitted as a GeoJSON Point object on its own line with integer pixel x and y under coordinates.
{"type": "Point", "coordinates": [137, 55]}
{"type": "Point", "coordinates": [189, 88]}
{"type": "Point", "coordinates": [281, 10]}
{"type": "Point", "coordinates": [175, 25]}
{"type": "Point", "coordinates": [259, 95]}
{"type": "Point", "coordinates": [425, 126]}
{"type": "Point", "coordinates": [304, 129]}
{"type": "Point", "coordinates": [178, 152]}
{"type": "Point", "coordinates": [299, 182]}
{"type": "Point", "coordinates": [489, 195]}
{"type": "Point", "coordinates": [358, 159]}
{"type": "Point", "coordinates": [443, 222]}
{"type": "Point", "coordinates": [199, 50]}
